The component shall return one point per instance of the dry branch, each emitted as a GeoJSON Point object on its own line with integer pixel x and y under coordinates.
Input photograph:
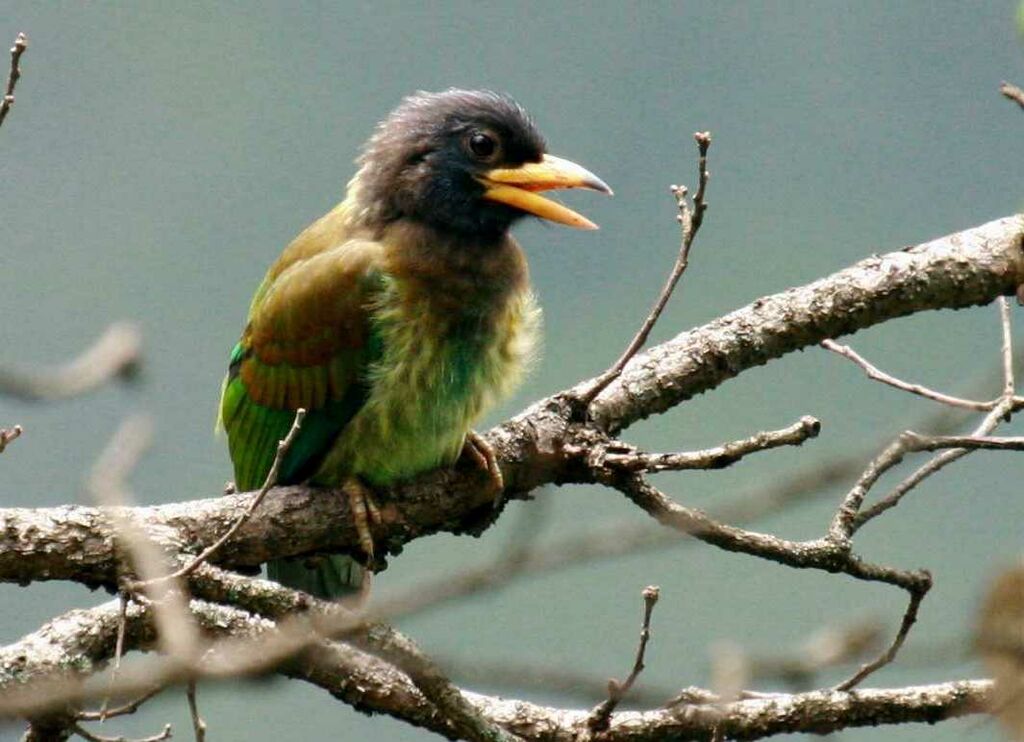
{"type": "Point", "coordinates": [548, 443]}
{"type": "Point", "coordinates": [371, 685]}
{"type": "Point", "coordinates": [974, 266]}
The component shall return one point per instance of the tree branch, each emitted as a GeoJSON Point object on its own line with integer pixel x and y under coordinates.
{"type": "Point", "coordinates": [374, 686]}
{"type": "Point", "coordinates": [959, 270]}
{"type": "Point", "coordinates": [536, 447]}
{"type": "Point", "coordinates": [116, 353]}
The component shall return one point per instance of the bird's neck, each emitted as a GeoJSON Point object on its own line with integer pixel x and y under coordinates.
{"type": "Point", "coordinates": [452, 274]}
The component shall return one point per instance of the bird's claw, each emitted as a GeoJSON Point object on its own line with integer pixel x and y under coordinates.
{"type": "Point", "coordinates": [364, 513]}
{"type": "Point", "coordinates": [483, 453]}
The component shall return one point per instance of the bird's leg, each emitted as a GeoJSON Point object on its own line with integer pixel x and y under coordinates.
{"type": "Point", "coordinates": [364, 512]}
{"type": "Point", "coordinates": [483, 453]}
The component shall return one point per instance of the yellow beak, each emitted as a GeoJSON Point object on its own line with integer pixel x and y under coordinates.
{"type": "Point", "coordinates": [518, 187]}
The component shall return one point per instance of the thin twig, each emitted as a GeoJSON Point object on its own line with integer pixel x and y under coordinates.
{"type": "Point", "coordinates": [9, 434]}
{"type": "Point", "coordinates": [122, 621]}
{"type": "Point", "coordinates": [917, 442]}
{"type": "Point", "coordinates": [909, 618]}
{"type": "Point", "coordinates": [600, 717]}
{"type": "Point", "coordinates": [282, 449]}
{"type": "Point", "coordinates": [1006, 347]}
{"type": "Point", "coordinates": [125, 709]}
{"type": "Point", "coordinates": [1006, 406]}
{"type": "Point", "coordinates": [1013, 93]}
{"type": "Point", "coordinates": [718, 457]}
{"type": "Point", "coordinates": [20, 45]}
{"type": "Point", "coordinates": [690, 220]}
{"type": "Point", "coordinates": [877, 374]}
{"type": "Point", "coordinates": [116, 353]}
{"type": "Point", "coordinates": [198, 725]}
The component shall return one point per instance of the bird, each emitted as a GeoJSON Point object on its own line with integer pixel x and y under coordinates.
{"type": "Point", "coordinates": [399, 317]}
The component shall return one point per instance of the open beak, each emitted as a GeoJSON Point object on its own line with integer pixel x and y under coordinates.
{"type": "Point", "coordinates": [519, 186]}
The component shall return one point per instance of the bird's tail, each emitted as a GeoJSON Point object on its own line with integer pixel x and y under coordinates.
{"type": "Point", "coordinates": [327, 577]}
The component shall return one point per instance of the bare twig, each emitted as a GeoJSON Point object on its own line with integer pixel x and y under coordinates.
{"type": "Point", "coordinates": [20, 45]}
{"type": "Point", "coordinates": [875, 373]}
{"type": "Point", "coordinates": [916, 442]}
{"type": "Point", "coordinates": [198, 725]}
{"type": "Point", "coordinates": [1006, 347]}
{"type": "Point", "coordinates": [1012, 92]}
{"type": "Point", "coordinates": [122, 623]}
{"type": "Point", "coordinates": [600, 717]}
{"type": "Point", "coordinates": [909, 618]}
{"type": "Point", "coordinates": [893, 498]}
{"type": "Point", "coordinates": [9, 434]}
{"type": "Point", "coordinates": [116, 353]}
{"type": "Point", "coordinates": [1006, 405]}
{"type": "Point", "coordinates": [127, 708]}
{"type": "Point", "coordinates": [718, 457]}
{"type": "Point", "coordinates": [690, 220]}
{"type": "Point", "coordinates": [282, 449]}
{"type": "Point", "coordinates": [357, 680]}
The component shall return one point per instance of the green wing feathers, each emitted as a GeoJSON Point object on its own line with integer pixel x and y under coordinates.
{"type": "Point", "coordinates": [305, 345]}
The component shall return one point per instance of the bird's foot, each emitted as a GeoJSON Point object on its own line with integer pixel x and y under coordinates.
{"type": "Point", "coordinates": [483, 454]}
{"type": "Point", "coordinates": [364, 513]}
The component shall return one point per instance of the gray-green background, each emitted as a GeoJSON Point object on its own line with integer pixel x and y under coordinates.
{"type": "Point", "coordinates": [160, 154]}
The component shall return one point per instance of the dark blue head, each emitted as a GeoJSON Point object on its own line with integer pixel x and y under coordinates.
{"type": "Point", "coordinates": [463, 161]}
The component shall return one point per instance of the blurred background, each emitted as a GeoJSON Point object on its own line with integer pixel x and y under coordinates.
{"type": "Point", "coordinates": [159, 155]}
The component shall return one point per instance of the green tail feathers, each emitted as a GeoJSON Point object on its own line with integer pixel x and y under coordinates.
{"type": "Point", "coordinates": [326, 577]}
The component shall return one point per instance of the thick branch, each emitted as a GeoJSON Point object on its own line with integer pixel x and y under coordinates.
{"type": "Point", "coordinates": [959, 270]}
{"type": "Point", "coordinates": [374, 686]}
{"type": "Point", "coordinates": [537, 447]}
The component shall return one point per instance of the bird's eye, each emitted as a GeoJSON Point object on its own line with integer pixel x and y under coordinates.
{"type": "Point", "coordinates": [482, 145]}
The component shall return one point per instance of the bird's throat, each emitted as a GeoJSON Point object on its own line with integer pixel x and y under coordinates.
{"type": "Point", "coordinates": [453, 276]}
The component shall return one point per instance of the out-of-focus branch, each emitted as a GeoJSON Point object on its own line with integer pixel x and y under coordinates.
{"type": "Point", "coordinates": [116, 353]}
{"type": "Point", "coordinates": [20, 45]}
{"type": "Point", "coordinates": [1012, 92]}
{"type": "Point", "coordinates": [9, 434]}
{"type": "Point", "coordinates": [733, 669]}
{"type": "Point", "coordinates": [75, 639]}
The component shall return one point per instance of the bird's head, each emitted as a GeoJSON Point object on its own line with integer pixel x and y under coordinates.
{"type": "Point", "coordinates": [464, 161]}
